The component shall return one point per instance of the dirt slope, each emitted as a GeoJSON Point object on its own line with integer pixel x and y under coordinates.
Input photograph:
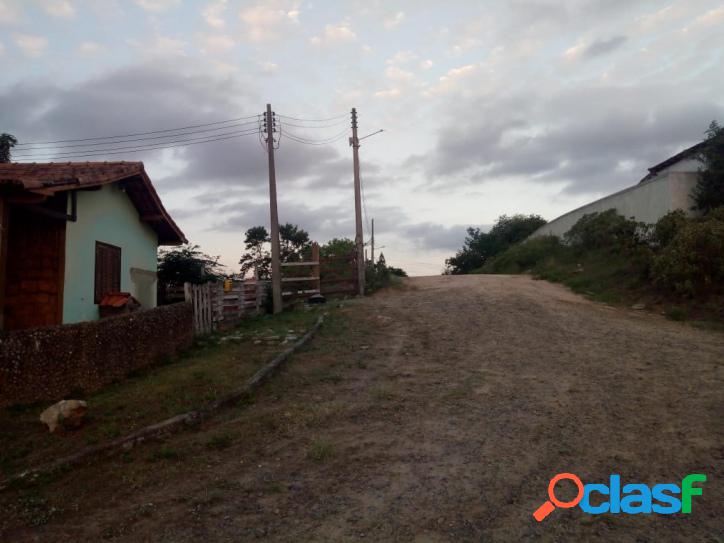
{"type": "Point", "coordinates": [433, 413]}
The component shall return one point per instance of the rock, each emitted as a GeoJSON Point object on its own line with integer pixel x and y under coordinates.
{"type": "Point", "coordinates": [638, 307]}
{"type": "Point", "coordinates": [66, 414]}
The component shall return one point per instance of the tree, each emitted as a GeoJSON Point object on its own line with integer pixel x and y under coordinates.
{"type": "Point", "coordinates": [337, 247]}
{"type": "Point", "coordinates": [7, 142]}
{"type": "Point", "coordinates": [187, 264]}
{"type": "Point", "coordinates": [709, 190]}
{"type": "Point", "coordinates": [293, 240]}
{"type": "Point", "coordinates": [480, 246]}
{"type": "Point", "coordinates": [256, 258]}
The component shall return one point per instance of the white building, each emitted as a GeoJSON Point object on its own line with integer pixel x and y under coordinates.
{"type": "Point", "coordinates": [665, 188]}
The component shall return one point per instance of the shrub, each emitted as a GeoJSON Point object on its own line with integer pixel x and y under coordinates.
{"type": "Point", "coordinates": [606, 230]}
{"type": "Point", "coordinates": [524, 256]}
{"type": "Point", "coordinates": [668, 226]}
{"type": "Point", "coordinates": [693, 261]}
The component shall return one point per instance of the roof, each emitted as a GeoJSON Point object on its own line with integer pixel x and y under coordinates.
{"type": "Point", "coordinates": [53, 177]}
{"type": "Point", "coordinates": [686, 153]}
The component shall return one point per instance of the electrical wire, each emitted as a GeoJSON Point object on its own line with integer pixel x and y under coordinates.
{"type": "Point", "coordinates": [158, 147]}
{"type": "Point", "coordinates": [313, 120]}
{"type": "Point", "coordinates": [140, 139]}
{"type": "Point", "coordinates": [301, 139]}
{"type": "Point", "coordinates": [364, 204]}
{"type": "Point", "coordinates": [338, 123]}
{"type": "Point", "coordinates": [101, 151]}
{"type": "Point", "coordinates": [138, 133]}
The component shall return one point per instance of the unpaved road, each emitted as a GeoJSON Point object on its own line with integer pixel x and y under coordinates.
{"type": "Point", "coordinates": [437, 412]}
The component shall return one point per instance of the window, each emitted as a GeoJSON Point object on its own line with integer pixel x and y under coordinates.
{"type": "Point", "coordinates": [108, 270]}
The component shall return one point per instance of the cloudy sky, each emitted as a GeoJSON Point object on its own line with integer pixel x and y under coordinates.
{"type": "Point", "coordinates": [488, 108]}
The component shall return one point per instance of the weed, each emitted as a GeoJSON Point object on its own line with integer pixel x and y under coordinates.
{"type": "Point", "coordinates": [675, 314]}
{"type": "Point", "coordinates": [382, 393]}
{"type": "Point", "coordinates": [321, 450]}
{"type": "Point", "coordinates": [219, 442]}
{"type": "Point", "coordinates": [165, 453]}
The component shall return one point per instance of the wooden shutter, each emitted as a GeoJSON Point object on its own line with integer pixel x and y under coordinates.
{"type": "Point", "coordinates": [108, 270]}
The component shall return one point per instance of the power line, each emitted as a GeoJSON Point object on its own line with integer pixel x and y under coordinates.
{"type": "Point", "coordinates": [101, 151]}
{"type": "Point", "coordinates": [364, 203]}
{"type": "Point", "coordinates": [140, 139]}
{"type": "Point", "coordinates": [308, 141]}
{"type": "Point", "coordinates": [139, 133]}
{"type": "Point", "coordinates": [158, 147]}
{"type": "Point", "coordinates": [344, 115]}
{"type": "Point", "coordinates": [338, 123]}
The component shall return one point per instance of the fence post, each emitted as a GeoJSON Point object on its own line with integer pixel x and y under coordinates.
{"type": "Point", "coordinates": [316, 269]}
{"type": "Point", "coordinates": [257, 291]}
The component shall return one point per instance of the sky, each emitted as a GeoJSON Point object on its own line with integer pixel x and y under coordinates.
{"type": "Point", "coordinates": [488, 107]}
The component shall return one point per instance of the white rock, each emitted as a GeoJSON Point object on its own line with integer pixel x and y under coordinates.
{"type": "Point", "coordinates": [65, 413]}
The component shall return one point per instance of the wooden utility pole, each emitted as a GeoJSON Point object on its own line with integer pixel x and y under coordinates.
{"type": "Point", "coordinates": [276, 277]}
{"type": "Point", "coordinates": [372, 242]}
{"type": "Point", "coordinates": [359, 240]}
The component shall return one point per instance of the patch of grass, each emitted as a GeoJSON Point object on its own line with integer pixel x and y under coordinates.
{"type": "Point", "coordinates": [219, 442]}
{"type": "Point", "coordinates": [35, 510]}
{"type": "Point", "coordinates": [675, 314]}
{"type": "Point", "coordinates": [200, 375]}
{"type": "Point", "coordinates": [321, 450]}
{"type": "Point", "coordinates": [458, 392]}
{"type": "Point", "coordinates": [165, 453]}
{"type": "Point", "coordinates": [382, 393]}
{"type": "Point", "coordinates": [325, 375]}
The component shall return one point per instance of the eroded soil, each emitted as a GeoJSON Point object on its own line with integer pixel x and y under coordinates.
{"type": "Point", "coordinates": [437, 412]}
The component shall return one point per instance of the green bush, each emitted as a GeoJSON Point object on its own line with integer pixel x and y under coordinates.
{"type": "Point", "coordinates": [693, 261]}
{"type": "Point", "coordinates": [524, 256]}
{"type": "Point", "coordinates": [668, 226]}
{"type": "Point", "coordinates": [606, 230]}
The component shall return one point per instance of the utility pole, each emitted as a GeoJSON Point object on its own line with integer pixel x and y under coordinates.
{"type": "Point", "coordinates": [270, 128]}
{"type": "Point", "coordinates": [359, 240]}
{"type": "Point", "coordinates": [372, 242]}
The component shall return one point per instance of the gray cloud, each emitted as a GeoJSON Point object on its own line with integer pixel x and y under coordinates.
{"type": "Point", "coordinates": [604, 46]}
{"type": "Point", "coordinates": [580, 137]}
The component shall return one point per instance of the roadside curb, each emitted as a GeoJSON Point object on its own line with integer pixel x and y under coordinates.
{"type": "Point", "coordinates": [169, 425]}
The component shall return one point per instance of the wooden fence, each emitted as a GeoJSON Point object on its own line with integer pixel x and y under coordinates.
{"type": "Point", "coordinates": [338, 275]}
{"type": "Point", "coordinates": [300, 278]}
{"type": "Point", "coordinates": [216, 307]}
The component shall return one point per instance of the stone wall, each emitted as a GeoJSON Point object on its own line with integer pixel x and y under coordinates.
{"type": "Point", "coordinates": [48, 363]}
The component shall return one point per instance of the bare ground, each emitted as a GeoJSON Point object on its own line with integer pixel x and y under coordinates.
{"type": "Point", "coordinates": [433, 413]}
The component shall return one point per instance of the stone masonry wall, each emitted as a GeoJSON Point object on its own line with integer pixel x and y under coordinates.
{"type": "Point", "coordinates": [48, 363]}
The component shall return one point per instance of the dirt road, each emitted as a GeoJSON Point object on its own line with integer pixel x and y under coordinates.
{"type": "Point", "coordinates": [437, 412]}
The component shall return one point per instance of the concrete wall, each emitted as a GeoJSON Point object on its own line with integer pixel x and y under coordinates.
{"type": "Point", "coordinates": [109, 216]}
{"type": "Point", "coordinates": [646, 202]}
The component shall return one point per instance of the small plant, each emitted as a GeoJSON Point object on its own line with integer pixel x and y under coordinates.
{"type": "Point", "coordinates": [675, 314]}
{"type": "Point", "coordinates": [219, 442]}
{"type": "Point", "coordinates": [321, 450]}
{"type": "Point", "coordinates": [382, 393]}
{"type": "Point", "coordinates": [165, 453]}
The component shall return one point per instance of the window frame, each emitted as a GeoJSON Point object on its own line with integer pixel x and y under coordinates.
{"type": "Point", "coordinates": [115, 274]}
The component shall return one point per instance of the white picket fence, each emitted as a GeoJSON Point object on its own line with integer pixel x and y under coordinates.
{"type": "Point", "coordinates": [214, 307]}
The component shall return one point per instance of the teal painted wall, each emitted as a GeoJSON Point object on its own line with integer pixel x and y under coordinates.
{"type": "Point", "coordinates": [106, 215]}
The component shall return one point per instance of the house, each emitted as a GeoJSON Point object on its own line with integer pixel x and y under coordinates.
{"type": "Point", "coordinates": [667, 187]}
{"type": "Point", "coordinates": [74, 232]}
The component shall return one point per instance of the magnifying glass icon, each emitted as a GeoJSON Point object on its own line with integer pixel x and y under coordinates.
{"type": "Point", "coordinates": [548, 506]}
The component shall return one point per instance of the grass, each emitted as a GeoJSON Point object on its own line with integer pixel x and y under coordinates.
{"type": "Point", "coordinates": [321, 450]}
{"type": "Point", "coordinates": [216, 365]}
{"type": "Point", "coordinates": [610, 277]}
